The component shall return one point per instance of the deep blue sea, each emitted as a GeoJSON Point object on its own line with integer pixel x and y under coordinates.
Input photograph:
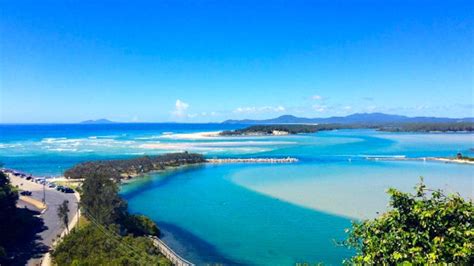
{"type": "Point", "coordinates": [251, 214]}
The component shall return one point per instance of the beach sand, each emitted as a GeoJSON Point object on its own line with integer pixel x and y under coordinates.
{"type": "Point", "coordinates": [193, 136]}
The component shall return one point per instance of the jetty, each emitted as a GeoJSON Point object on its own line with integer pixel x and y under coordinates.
{"type": "Point", "coordinates": [252, 160]}
{"type": "Point", "coordinates": [423, 159]}
{"type": "Point", "coordinates": [169, 253]}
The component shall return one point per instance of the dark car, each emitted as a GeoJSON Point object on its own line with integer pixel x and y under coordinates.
{"type": "Point", "coordinates": [59, 188]}
{"type": "Point", "coordinates": [68, 190]}
{"type": "Point", "coordinates": [25, 193]}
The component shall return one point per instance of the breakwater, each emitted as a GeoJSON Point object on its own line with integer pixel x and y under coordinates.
{"type": "Point", "coordinates": [423, 159]}
{"type": "Point", "coordinates": [253, 160]}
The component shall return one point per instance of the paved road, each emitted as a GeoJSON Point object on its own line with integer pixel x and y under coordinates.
{"type": "Point", "coordinates": [50, 217]}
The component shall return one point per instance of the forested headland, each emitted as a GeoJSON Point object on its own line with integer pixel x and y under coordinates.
{"type": "Point", "coordinates": [126, 168]}
{"type": "Point", "coordinates": [291, 129]}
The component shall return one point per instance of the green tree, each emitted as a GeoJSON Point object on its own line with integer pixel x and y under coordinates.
{"type": "Point", "coordinates": [140, 225]}
{"type": "Point", "coordinates": [102, 245]}
{"type": "Point", "coordinates": [427, 227]}
{"type": "Point", "coordinates": [8, 199]}
{"type": "Point", "coordinates": [100, 199]}
{"type": "Point", "coordinates": [18, 227]}
{"type": "Point", "coordinates": [63, 214]}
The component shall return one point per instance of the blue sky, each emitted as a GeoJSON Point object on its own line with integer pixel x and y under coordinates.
{"type": "Point", "coordinates": [199, 61]}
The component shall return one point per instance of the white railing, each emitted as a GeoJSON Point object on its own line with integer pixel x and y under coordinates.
{"type": "Point", "coordinates": [169, 253]}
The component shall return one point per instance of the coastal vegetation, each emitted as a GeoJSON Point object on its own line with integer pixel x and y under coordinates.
{"type": "Point", "coordinates": [427, 227]}
{"type": "Point", "coordinates": [63, 214]}
{"type": "Point", "coordinates": [126, 168]}
{"type": "Point", "coordinates": [461, 157]}
{"type": "Point", "coordinates": [281, 129]}
{"type": "Point", "coordinates": [96, 244]}
{"type": "Point", "coordinates": [112, 236]}
{"type": "Point", "coordinates": [19, 228]}
{"type": "Point", "coordinates": [100, 199]}
{"type": "Point", "coordinates": [429, 127]}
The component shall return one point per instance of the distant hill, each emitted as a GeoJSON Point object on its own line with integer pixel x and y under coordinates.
{"type": "Point", "coordinates": [98, 121]}
{"type": "Point", "coordinates": [358, 118]}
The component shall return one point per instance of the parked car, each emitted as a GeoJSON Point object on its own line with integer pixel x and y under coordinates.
{"type": "Point", "coordinates": [68, 190]}
{"type": "Point", "coordinates": [52, 185]}
{"type": "Point", "coordinates": [59, 188]}
{"type": "Point", "coordinates": [25, 193]}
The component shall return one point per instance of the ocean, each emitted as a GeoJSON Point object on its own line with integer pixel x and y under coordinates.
{"type": "Point", "coordinates": [251, 214]}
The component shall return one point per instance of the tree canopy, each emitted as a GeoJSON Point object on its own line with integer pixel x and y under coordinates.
{"type": "Point", "coordinates": [19, 228]}
{"type": "Point", "coordinates": [100, 199]}
{"type": "Point", "coordinates": [102, 245]}
{"type": "Point", "coordinates": [122, 168]}
{"type": "Point", "coordinates": [114, 237]}
{"type": "Point", "coordinates": [427, 227]}
{"type": "Point", "coordinates": [63, 214]}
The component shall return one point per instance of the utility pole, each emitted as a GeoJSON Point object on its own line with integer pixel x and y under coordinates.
{"type": "Point", "coordinates": [44, 192]}
{"type": "Point", "coordinates": [78, 215]}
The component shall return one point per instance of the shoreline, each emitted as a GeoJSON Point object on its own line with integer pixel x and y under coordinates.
{"type": "Point", "coordinates": [424, 159]}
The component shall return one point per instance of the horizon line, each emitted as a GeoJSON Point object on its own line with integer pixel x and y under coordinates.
{"type": "Point", "coordinates": [84, 122]}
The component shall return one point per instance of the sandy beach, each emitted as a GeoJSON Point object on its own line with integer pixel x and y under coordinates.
{"type": "Point", "coordinates": [193, 136]}
{"type": "Point", "coordinates": [450, 160]}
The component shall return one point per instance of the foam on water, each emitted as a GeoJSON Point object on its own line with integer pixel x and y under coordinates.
{"type": "Point", "coordinates": [291, 213]}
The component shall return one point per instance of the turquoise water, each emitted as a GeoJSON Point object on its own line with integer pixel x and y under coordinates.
{"type": "Point", "coordinates": [252, 214]}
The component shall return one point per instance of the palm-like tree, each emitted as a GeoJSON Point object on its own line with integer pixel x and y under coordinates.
{"type": "Point", "coordinates": [63, 214]}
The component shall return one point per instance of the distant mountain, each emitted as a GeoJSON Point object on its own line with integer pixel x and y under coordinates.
{"type": "Point", "coordinates": [98, 121]}
{"type": "Point", "coordinates": [358, 118]}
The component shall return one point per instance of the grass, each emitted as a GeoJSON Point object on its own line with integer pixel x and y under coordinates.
{"type": "Point", "coordinates": [72, 184]}
{"type": "Point", "coordinates": [83, 221]}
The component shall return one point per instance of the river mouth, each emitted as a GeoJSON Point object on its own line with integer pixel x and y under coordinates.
{"type": "Point", "coordinates": [254, 214]}
{"type": "Point", "coordinates": [237, 225]}
{"type": "Point", "coordinates": [237, 212]}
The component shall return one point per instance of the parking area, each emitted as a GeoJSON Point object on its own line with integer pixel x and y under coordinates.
{"type": "Point", "coordinates": [41, 191]}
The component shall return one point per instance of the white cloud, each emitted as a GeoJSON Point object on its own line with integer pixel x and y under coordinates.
{"type": "Point", "coordinates": [180, 108]}
{"type": "Point", "coordinates": [319, 108]}
{"type": "Point", "coordinates": [371, 108]}
{"type": "Point", "coordinates": [260, 109]}
{"type": "Point", "coordinates": [347, 108]}
{"type": "Point", "coordinates": [317, 97]}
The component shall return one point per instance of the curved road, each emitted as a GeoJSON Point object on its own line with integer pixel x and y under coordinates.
{"type": "Point", "coordinates": [50, 217]}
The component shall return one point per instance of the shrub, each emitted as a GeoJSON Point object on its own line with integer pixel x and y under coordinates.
{"type": "Point", "coordinates": [425, 228]}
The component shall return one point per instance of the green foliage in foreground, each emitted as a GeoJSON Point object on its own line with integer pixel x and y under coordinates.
{"type": "Point", "coordinates": [140, 225]}
{"type": "Point", "coordinates": [424, 228]}
{"type": "Point", "coordinates": [8, 198]}
{"type": "Point", "coordinates": [113, 236]}
{"type": "Point", "coordinates": [98, 245]}
{"type": "Point", "coordinates": [100, 199]}
{"type": "Point", "coordinates": [101, 203]}
{"type": "Point", "coordinates": [18, 228]}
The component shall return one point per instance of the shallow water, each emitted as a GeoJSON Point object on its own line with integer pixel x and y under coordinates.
{"type": "Point", "coordinates": [253, 214]}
